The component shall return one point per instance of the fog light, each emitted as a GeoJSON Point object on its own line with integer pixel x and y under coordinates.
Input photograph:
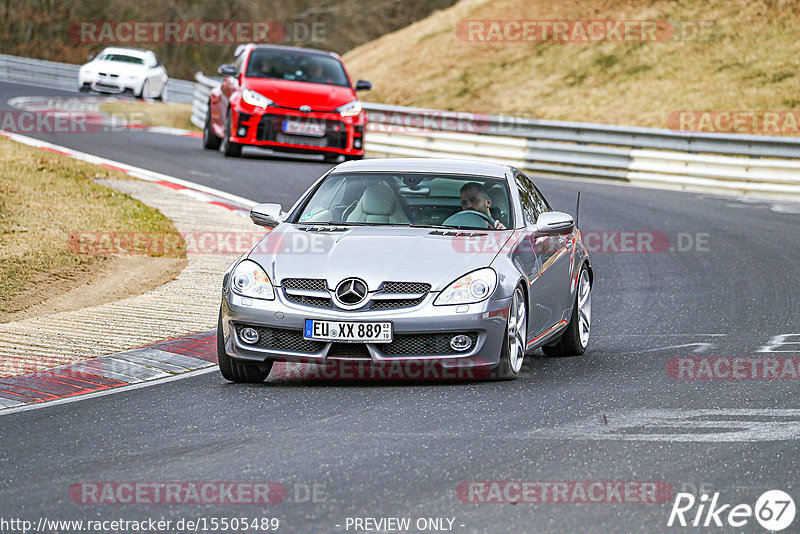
{"type": "Point", "coordinates": [242, 132]}
{"type": "Point", "coordinates": [357, 143]}
{"type": "Point", "coordinates": [249, 335]}
{"type": "Point", "coordinates": [460, 343]}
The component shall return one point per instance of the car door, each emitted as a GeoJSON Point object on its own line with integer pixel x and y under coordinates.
{"type": "Point", "coordinates": [549, 273]}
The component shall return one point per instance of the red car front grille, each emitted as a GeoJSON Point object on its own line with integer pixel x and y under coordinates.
{"type": "Point", "coordinates": [270, 128]}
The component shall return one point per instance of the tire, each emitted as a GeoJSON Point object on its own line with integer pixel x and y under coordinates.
{"type": "Point", "coordinates": [238, 371]}
{"type": "Point", "coordinates": [229, 148]}
{"type": "Point", "coordinates": [145, 87]}
{"type": "Point", "coordinates": [330, 157]}
{"type": "Point", "coordinates": [85, 88]}
{"type": "Point", "coordinates": [515, 340]}
{"type": "Point", "coordinates": [163, 96]}
{"type": "Point", "coordinates": [575, 338]}
{"type": "Point", "coordinates": [211, 141]}
{"type": "Point", "coordinates": [353, 158]}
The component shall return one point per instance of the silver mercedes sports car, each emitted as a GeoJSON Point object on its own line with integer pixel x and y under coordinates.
{"type": "Point", "coordinates": [455, 263]}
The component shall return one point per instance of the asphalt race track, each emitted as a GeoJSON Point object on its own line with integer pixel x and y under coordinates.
{"type": "Point", "coordinates": [390, 449]}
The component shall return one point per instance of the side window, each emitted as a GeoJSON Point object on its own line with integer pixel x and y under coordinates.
{"type": "Point", "coordinates": [528, 197]}
{"type": "Point", "coordinates": [541, 202]}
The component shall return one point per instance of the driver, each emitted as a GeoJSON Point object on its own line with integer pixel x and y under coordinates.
{"type": "Point", "coordinates": [314, 70]}
{"type": "Point", "coordinates": [475, 197]}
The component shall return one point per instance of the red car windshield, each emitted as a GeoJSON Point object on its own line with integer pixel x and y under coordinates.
{"type": "Point", "coordinates": [296, 66]}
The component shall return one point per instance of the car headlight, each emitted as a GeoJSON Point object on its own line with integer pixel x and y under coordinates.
{"type": "Point", "coordinates": [350, 110]}
{"type": "Point", "coordinates": [256, 99]}
{"type": "Point", "coordinates": [248, 279]}
{"type": "Point", "coordinates": [469, 289]}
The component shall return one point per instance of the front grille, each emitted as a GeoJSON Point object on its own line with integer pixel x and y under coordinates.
{"type": "Point", "coordinates": [349, 350]}
{"type": "Point", "coordinates": [319, 302]}
{"type": "Point", "coordinates": [282, 339]}
{"type": "Point", "coordinates": [270, 128]}
{"type": "Point", "coordinates": [308, 284]}
{"type": "Point", "coordinates": [395, 303]}
{"type": "Point", "coordinates": [300, 140]}
{"type": "Point", "coordinates": [406, 287]}
{"type": "Point", "coordinates": [318, 284]}
{"type": "Point", "coordinates": [424, 344]}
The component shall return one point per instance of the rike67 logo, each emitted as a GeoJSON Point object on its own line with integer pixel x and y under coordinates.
{"type": "Point", "coordinates": [774, 510]}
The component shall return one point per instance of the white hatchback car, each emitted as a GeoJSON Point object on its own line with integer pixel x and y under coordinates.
{"type": "Point", "coordinates": [125, 70]}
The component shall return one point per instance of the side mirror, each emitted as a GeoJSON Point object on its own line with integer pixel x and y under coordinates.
{"type": "Point", "coordinates": [554, 222]}
{"type": "Point", "coordinates": [91, 57]}
{"type": "Point", "coordinates": [228, 70]}
{"type": "Point", "coordinates": [268, 215]}
{"type": "Point", "coordinates": [363, 85]}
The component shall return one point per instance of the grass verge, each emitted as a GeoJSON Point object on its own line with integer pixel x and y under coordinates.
{"type": "Point", "coordinates": [153, 113]}
{"type": "Point", "coordinates": [747, 62]}
{"type": "Point", "coordinates": [44, 199]}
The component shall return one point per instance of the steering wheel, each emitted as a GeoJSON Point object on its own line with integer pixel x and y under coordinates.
{"type": "Point", "coordinates": [467, 218]}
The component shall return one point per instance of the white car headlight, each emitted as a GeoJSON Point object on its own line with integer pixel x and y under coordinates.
{"type": "Point", "coordinates": [469, 289]}
{"type": "Point", "coordinates": [350, 110]}
{"type": "Point", "coordinates": [256, 99]}
{"type": "Point", "coordinates": [248, 279]}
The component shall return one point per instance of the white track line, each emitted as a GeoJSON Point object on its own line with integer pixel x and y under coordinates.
{"type": "Point", "coordinates": [136, 172]}
{"type": "Point", "coordinates": [110, 391]}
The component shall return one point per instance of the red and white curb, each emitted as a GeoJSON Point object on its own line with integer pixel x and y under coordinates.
{"type": "Point", "coordinates": [235, 203]}
{"type": "Point", "coordinates": [193, 354]}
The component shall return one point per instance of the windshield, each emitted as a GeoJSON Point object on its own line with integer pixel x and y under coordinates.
{"type": "Point", "coordinates": [409, 199]}
{"type": "Point", "coordinates": [296, 66]}
{"type": "Point", "coordinates": [122, 58]}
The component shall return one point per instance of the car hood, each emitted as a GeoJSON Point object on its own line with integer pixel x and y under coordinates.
{"type": "Point", "coordinates": [116, 67]}
{"type": "Point", "coordinates": [374, 254]}
{"type": "Point", "coordinates": [291, 94]}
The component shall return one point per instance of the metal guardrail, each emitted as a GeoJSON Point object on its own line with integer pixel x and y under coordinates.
{"type": "Point", "coordinates": [64, 76]}
{"type": "Point", "coordinates": [646, 156]}
{"type": "Point", "coordinates": [732, 162]}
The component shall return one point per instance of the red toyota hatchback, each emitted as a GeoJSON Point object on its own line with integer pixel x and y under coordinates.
{"type": "Point", "coordinates": [286, 99]}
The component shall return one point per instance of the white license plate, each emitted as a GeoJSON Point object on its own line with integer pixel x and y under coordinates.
{"type": "Point", "coordinates": [377, 332]}
{"type": "Point", "coordinates": [304, 128]}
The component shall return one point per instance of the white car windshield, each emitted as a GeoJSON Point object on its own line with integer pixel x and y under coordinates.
{"type": "Point", "coordinates": [409, 199]}
{"type": "Point", "coordinates": [122, 58]}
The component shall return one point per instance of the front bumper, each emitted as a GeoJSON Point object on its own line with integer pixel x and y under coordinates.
{"type": "Point", "coordinates": [264, 128]}
{"type": "Point", "coordinates": [418, 326]}
{"type": "Point", "coordinates": [110, 85]}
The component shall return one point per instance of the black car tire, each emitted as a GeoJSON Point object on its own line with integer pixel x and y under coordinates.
{"type": "Point", "coordinates": [235, 370]}
{"type": "Point", "coordinates": [210, 140]}
{"type": "Point", "coordinates": [504, 369]}
{"type": "Point", "coordinates": [229, 148]}
{"type": "Point", "coordinates": [569, 343]}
